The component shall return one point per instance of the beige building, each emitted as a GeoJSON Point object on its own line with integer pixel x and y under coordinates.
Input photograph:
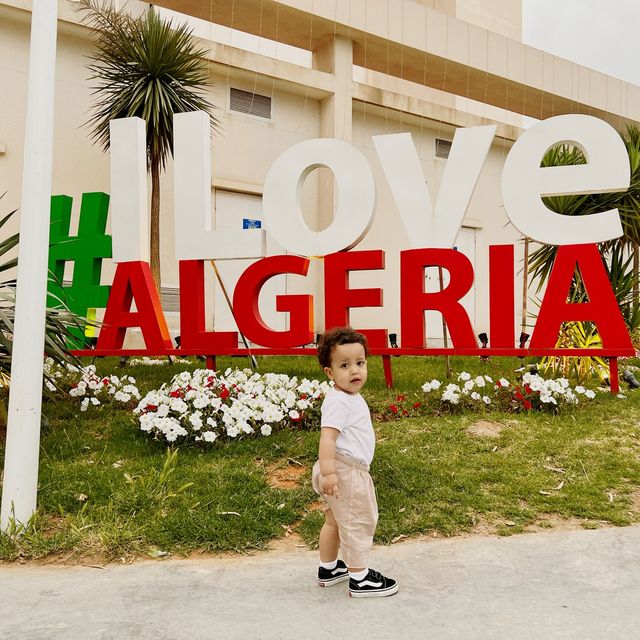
{"type": "Point", "coordinates": [285, 71]}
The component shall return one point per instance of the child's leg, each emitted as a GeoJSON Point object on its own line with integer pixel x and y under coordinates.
{"type": "Point", "coordinates": [329, 538]}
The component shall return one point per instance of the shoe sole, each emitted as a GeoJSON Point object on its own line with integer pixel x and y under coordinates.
{"type": "Point", "coordinates": [336, 580]}
{"type": "Point", "coordinates": [378, 593]}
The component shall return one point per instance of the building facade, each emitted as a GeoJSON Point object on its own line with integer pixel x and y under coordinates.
{"type": "Point", "coordinates": [286, 71]}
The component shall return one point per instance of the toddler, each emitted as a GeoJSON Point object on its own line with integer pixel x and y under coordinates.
{"type": "Point", "coordinates": [341, 475]}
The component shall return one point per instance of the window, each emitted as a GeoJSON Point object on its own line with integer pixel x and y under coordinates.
{"type": "Point", "coordinates": [251, 103]}
{"type": "Point", "coordinates": [443, 147]}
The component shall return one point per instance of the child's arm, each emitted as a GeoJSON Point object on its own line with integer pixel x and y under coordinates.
{"type": "Point", "coordinates": [327, 456]}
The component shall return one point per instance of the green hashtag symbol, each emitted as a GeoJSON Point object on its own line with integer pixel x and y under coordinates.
{"type": "Point", "coordinates": [86, 251]}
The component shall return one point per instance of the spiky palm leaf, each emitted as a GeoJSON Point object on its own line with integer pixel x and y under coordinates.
{"type": "Point", "coordinates": [150, 68]}
{"type": "Point", "coordinates": [616, 254]}
{"type": "Point", "coordinates": [57, 323]}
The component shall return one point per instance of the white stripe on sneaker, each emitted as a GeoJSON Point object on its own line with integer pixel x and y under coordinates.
{"type": "Point", "coordinates": [368, 583]}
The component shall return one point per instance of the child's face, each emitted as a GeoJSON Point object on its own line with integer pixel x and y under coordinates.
{"type": "Point", "coordinates": [348, 367]}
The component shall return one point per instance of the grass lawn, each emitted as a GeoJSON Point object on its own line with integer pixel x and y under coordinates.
{"type": "Point", "coordinates": [109, 491]}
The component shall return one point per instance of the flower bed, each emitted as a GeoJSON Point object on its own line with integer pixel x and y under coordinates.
{"type": "Point", "coordinates": [92, 388]}
{"type": "Point", "coordinates": [482, 393]}
{"type": "Point", "coordinates": [203, 405]}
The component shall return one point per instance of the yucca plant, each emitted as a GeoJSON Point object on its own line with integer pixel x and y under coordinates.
{"type": "Point", "coordinates": [150, 68]}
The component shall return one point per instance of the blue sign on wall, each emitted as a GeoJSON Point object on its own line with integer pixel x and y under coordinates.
{"type": "Point", "coordinates": [248, 223]}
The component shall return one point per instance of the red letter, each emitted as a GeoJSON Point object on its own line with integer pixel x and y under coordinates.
{"type": "Point", "coordinates": [501, 297]}
{"type": "Point", "coordinates": [414, 301]}
{"type": "Point", "coordinates": [602, 308]}
{"type": "Point", "coordinates": [193, 334]}
{"type": "Point", "coordinates": [339, 298]}
{"type": "Point", "coordinates": [133, 282]}
{"type": "Point", "coordinates": [300, 307]}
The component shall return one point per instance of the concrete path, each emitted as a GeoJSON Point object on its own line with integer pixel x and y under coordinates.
{"type": "Point", "coordinates": [564, 585]}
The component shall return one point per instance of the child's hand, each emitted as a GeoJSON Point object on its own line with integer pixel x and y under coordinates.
{"type": "Point", "coordinates": [329, 485]}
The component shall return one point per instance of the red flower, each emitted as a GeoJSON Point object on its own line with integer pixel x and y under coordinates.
{"type": "Point", "coordinates": [527, 405]}
{"type": "Point", "coordinates": [401, 398]}
{"type": "Point", "coordinates": [393, 408]}
{"type": "Point", "coordinates": [224, 394]}
{"type": "Point", "coordinates": [519, 396]}
{"type": "Point", "coordinates": [417, 405]}
{"type": "Point", "coordinates": [176, 394]}
{"type": "Point", "coordinates": [527, 388]}
{"type": "Point", "coordinates": [105, 381]}
{"type": "Point", "coordinates": [405, 412]}
{"type": "Point", "coordinates": [151, 407]}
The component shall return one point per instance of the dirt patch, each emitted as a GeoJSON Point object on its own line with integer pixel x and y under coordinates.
{"type": "Point", "coordinates": [318, 505]}
{"type": "Point", "coordinates": [634, 502]}
{"type": "Point", "coordinates": [554, 522]}
{"type": "Point", "coordinates": [483, 527]}
{"type": "Point", "coordinates": [285, 474]}
{"type": "Point", "coordinates": [485, 429]}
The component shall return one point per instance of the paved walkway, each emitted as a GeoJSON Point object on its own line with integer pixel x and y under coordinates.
{"type": "Point", "coordinates": [564, 585]}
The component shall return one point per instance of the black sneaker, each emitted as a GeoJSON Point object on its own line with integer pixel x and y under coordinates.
{"type": "Point", "coordinates": [373, 585]}
{"type": "Point", "coordinates": [327, 577]}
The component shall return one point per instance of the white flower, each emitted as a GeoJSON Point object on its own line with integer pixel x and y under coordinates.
{"type": "Point", "coordinates": [480, 381]}
{"type": "Point", "coordinates": [580, 389]}
{"type": "Point", "coordinates": [293, 414]}
{"type": "Point", "coordinates": [475, 396]}
{"type": "Point", "coordinates": [435, 384]}
{"type": "Point", "coordinates": [196, 420]}
{"type": "Point", "coordinates": [504, 382]}
{"type": "Point", "coordinates": [469, 384]}
{"type": "Point", "coordinates": [464, 376]}
{"type": "Point", "coordinates": [84, 404]}
{"type": "Point", "coordinates": [589, 394]}
{"type": "Point", "coordinates": [265, 429]}
{"type": "Point", "coordinates": [621, 396]}
{"type": "Point", "coordinates": [209, 436]}
{"type": "Point", "coordinates": [486, 399]}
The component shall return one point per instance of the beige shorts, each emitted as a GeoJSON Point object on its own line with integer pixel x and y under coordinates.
{"type": "Point", "coordinates": [356, 511]}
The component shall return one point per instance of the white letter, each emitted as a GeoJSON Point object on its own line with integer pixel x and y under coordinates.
{"type": "Point", "coordinates": [129, 214]}
{"type": "Point", "coordinates": [282, 200]}
{"type": "Point", "coordinates": [401, 166]}
{"type": "Point", "coordinates": [194, 237]}
{"type": "Point", "coordinates": [524, 182]}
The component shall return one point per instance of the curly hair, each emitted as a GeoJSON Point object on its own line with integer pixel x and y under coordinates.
{"type": "Point", "coordinates": [335, 337]}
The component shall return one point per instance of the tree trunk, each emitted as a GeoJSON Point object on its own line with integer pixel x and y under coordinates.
{"type": "Point", "coordinates": [636, 275]}
{"type": "Point", "coordinates": [525, 285]}
{"type": "Point", "coordinates": [154, 240]}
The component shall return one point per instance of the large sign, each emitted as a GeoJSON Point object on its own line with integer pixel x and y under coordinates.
{"type": "Point", "coordinates": [432, 222]}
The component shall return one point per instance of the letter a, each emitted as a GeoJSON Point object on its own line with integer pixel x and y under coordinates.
{"type": "Point", "coordinates": [602, 308]}
{"type": "Point", "coordinates": [133, 283]}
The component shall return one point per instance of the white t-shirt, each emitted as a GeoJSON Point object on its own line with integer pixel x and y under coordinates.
{"type": "Point", "coordinates": [350, 415]}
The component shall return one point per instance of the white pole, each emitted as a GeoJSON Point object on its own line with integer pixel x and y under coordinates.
{"type": "Point", "coordinates": [20, 484]}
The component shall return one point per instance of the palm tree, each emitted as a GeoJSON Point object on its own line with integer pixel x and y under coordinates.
{"type": "Point", "coordinates": [620, 256]}
{"type": "Point", "coordinates": [150, 68]}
